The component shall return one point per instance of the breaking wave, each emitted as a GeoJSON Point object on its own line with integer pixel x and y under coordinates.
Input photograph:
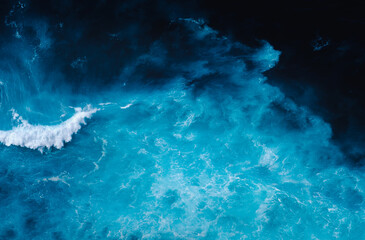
{"type": "Point", "coordinates": [40, 136]}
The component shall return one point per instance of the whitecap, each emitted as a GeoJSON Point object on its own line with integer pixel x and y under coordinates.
{"type": "Point", "coordinates": [126, 106]}
{"type": "Point", "coordinates": [46, 136]}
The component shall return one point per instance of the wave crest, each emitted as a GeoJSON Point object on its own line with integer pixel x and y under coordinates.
{"type": "Point", "coordinates": [46, 136]}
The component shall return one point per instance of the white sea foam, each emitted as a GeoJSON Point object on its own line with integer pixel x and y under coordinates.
{"type": "Point", "coordinates": [45, 136]}
{"type": "Point", "coordinates": [126, 106]}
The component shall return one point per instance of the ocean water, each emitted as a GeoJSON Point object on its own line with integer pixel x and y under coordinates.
{"type": "Point", "coordinates": [190, 142]}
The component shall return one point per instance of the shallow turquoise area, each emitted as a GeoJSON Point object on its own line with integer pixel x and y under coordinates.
{"type": "Point", "coordinates": [211, 152]}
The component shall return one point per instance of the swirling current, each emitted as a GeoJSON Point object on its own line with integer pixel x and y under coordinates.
{"type": "Point", "coordinates": [188, 141]}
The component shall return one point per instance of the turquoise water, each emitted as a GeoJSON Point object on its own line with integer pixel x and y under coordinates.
{"type": "Point", "coordinates": [210, 152]}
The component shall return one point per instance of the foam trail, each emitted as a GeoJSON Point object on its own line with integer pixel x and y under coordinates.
{"type": "Point", "coordinates": [126, 106]}
{"type": "Point", "coordinates": [44, 136]}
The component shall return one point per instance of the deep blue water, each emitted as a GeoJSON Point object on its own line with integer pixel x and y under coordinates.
{"type": "Point", "coordinates": [189, 142]}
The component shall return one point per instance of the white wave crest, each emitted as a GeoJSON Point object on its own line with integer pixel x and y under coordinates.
{"type": "Point", "coordinates": [45, 136]}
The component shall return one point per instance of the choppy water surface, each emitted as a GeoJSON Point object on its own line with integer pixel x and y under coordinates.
{"type": "Point", "coordinates": [189, 142]}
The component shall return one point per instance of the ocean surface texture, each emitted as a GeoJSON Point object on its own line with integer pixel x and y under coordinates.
{"type": "Point", "coordinates": [186, 140]}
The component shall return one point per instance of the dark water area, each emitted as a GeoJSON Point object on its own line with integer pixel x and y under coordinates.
{"type": "Point", "coordinates": [322, 61]}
